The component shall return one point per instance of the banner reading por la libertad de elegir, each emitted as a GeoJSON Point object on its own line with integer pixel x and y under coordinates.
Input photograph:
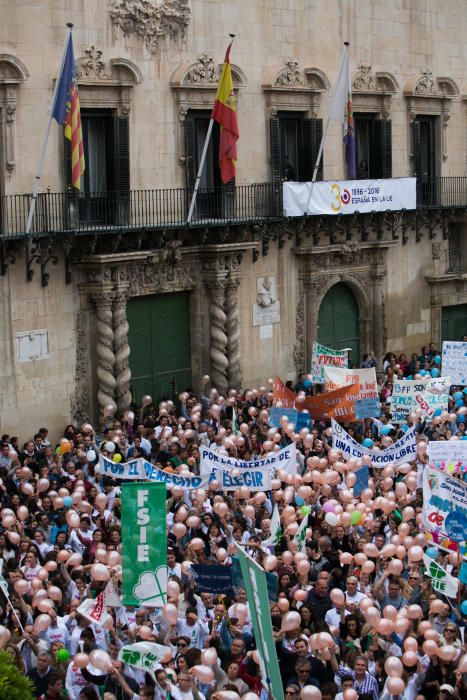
{"type": "Point", "coordinates": [144, 545]}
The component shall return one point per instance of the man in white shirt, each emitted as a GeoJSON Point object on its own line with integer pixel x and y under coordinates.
{"type": "Point", "coordinates": [186, 688]}
{"type": "Point", "coordinates": [352, 594]}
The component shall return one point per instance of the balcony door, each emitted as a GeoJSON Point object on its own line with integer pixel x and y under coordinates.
{"type": "Point", "coordinates": [373, 147]}
{"type": "Point", "coordinates": [426, 157]}
{"type": "Point", "coordinates": [294, 145]}
{"type": "Point", "coordinates": [104, 195]}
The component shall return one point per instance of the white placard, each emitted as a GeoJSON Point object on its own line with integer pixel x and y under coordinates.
{"type": "Point", "coordinates": [455, 361]}
{"type": "Point", "coordinates": [349, 196]}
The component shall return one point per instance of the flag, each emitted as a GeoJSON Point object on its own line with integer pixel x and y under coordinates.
{"type": "Point", "coordinates": [300, 536]}
{"type": "Point", "coordinates": [94, 609]}
{"type": "Point", "coordinates": [441, 581]}
{"type": "Point", "coordinates": [225, 114]}
{"type": "Point", "coordinates": [66, 111]}
{"type": "Point", "coordinates": [341, 111]}
{"type": "Point", "coordinates": [275, 530]}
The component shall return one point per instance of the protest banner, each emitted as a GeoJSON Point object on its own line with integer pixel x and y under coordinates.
{"type": "Point", "coordinates": [441, 581]}
{"type": "Point", "coordinates": [454, 362]}
{"type": "Point", "coordinates": [361, 483]}
{"type": "Point", "coordinates": [367, 408]}
{"type": "Point", "coordinates": [300, 535]}
{"type": "Point", "coordinates": [257, 595]}
{"type": "Point", "coordinates": [448, 456]}
{"type": "Point", "coordinates": [213, 578]}
{"type": "Point", "coordinates": [282, 396]}
{"type": "Point", "coordinates": [144, 544]}
{"type": "Point", "coordinates": [275, 530]}
{"type": "Point", "coordinates": [322, 357]}
{"type": "Point", "coordinates": [94, 609]}
{"type": "Point", "coordinates": [271, 580]}
{"type": "Point", "coordinates": [427, 395]}
{"type": "Point", "coordinates": [303, 421]}
{"type": "Point", "coordinates": [284, 459]}
{"type": "Point", "coordinates": [143, 655]}
{"type": "Point", "coordinates": [404, 450]}
{"type": "Point", "coordinates": [443, 496]}
{"type": "Point", "coordinates": [119, 470]}
{"type": "Point", "coordinates": [337, 197]}
{"type": "Point", "coordinates": [337, 377]}
{"type": "Point", "coordinates": [275, 415]}
{"type": "Point", "coordinates": [188, 483]}
{"type": "Point", "coordinates": [338, 404]}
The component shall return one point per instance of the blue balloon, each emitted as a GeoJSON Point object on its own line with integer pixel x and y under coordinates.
{"type": "Point", "coordinates": [435, 372]}
{"type": "Point", "coordinates": [437, 359]}
{"type": "Point", "coordinates": [465, 390]}
{"type": "Point", "coordinates": [368, 442]}
{"type": "Point", "coordinates": [457, 395]}
{"type": "Point", "coordinates": [464, 437]}
{"type": "Point", "coordinates": [423, 372]}
{"type": "Point", "coordinates": [299, 500]}
{"type": "Point", "coordinates": [386, 429]}
{"type": "Point", "coordinates": [67, 501]}
{"type": "Point", "coordinates": [461, 419]}
{"type": "Point", "coordinates": [459, 403]}
{"type": "Point", "coordinates": [404, 427]}
{"type": "Point", "coordinates": [409, 376]}
{"type": "Point", "coordinates": [464, 607]}
{"type": "Point", "coordinates": [438, 412]}
{"type": "Point", "coordinates": [432, 552]}
{"type": "Point", "coordinates": [307, 383]}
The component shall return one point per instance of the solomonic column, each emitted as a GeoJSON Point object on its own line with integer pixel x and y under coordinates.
{"type": "Point", "coordinates": [122, 353]}
{"type": "Point", "coordinates": [233, 334]}
{"type": "Point", "coordinates": [218, 350]}
{"type": "Point", "coordinates": [105, 352]}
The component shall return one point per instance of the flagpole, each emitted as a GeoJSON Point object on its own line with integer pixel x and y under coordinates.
{"type": "Point", "coordinates": [325, 132]}
{"type": "Point", "coordinates": [40, 165]}
{"type": "Point", "coordinates": [200, 170]}
{"type": "Point", "coordinates": [203, 158]}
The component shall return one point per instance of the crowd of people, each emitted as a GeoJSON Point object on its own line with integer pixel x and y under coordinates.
{"type": "Point", "coordinates": [354, 615]}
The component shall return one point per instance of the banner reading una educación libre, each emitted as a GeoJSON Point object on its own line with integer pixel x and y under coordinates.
{"type": "Point", "coordinates": [144, 545]}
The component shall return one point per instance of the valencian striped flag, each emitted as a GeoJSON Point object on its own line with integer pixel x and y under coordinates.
{"type": "Point", "coordinates": [66, 111]}
{"type": "Point", "coordinates": [225, 114]}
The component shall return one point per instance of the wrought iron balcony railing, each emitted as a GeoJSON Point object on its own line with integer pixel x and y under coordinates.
{"type": "Point", "coordinates": [136, 210]}
{"type": "Point", "coordinates": [109, 212]}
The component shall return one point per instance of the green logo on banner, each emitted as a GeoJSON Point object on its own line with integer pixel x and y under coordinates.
{"type": "Point", "coordinates": [144, 544]}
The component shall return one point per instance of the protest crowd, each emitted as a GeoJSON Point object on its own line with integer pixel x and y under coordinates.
{"type": "Point", "coordinates": [364, 600]}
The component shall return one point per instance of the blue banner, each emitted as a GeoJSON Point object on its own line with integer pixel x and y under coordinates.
{"type": "Point", "coordinates": [275, 415]}
{"type": "Point", "coordinates": [367, 408]}
{"type": "Point", "coordinates": [238, 582]}
{"type": "Point", "coordinates": [213, 578]}
{"type": "Point", "coordinates": [362, 475]}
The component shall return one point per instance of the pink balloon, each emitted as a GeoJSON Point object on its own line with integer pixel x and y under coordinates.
{"type": "Point", "coordinates": [409, 658]}
{"type": "Point", "coordinates": [42, 485]}
{"type": "Point", "coordinates": [5, 635]}
{"type": "Point", "coordinates": [100, 659]}
{"type": "Point", "coordinates": [270, 562]}
{"type": "Point", "coordinates": [395, 685]}
{"type": "Point", "coordinates": [81, 660]}
{"type": "Point", "coordinates": [430, 647]}
{"type": "Point", "coordinates": [21, 586]}
{"type": "Point", "coordinates": [209, 657]}
{"type": "Point", "coordinates": [42, 623]}
{"type": "Point", "coordinates": [99, 572]}
{"type": "Point", "coordinates": [54, 593]}
{"type": "Point", "coordinates": [310, 692]}
{"type": "Point", "coordinates": [447, 652]}
{"type": "Point", "coordinates": [415, 553]}
{"type": "Point", "coordinates": [350, 694]}
{"type": "Point", "coordinates": [283, 604]}
{"type": "Point", "coordinates": [395, 566]}
{"type": "Point", "coordinates": [22, 513]}
{"type": "Point", "coordinates": [385, 627]}
{"type": "Point", "coordinates": [145, 632]}
{"type": "Point", "coordinates": [291, 621]}
{"type": "Point", "coordinates": [337, 596]}
{"type": "Point", "coordinates": [414, 612]}
{"type": "Point", "coordinates": [170, 613]}
{"type": "Point", "coordinates": [72, 518]}
{"type": "Point", "coordinates": [393, 666]}
{"type": "Point", "coordinates": [204, 674]}
{"type": "Point", "coordinates": [197, 543]}
{"type": "Point", "coordinates": [173, 589]}
{"type": "Point", "coordinates": [303, 567]}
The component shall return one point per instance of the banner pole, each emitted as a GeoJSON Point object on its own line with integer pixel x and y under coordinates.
{"type": "Point", "coordinates": [40, 165]}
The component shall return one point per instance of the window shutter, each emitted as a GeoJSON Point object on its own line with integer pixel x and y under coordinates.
{"type": "Point", "coordinates": [417, 155]}
{"type": "Point", "coordinates": [312, 133]}
{"type": "Point", "coordinates": [190, 165]}
{"type": "Point", "coordinates": [275, 147]}
{"type": "Point", "coordinates": [381, 150]}
{"type": "Point", "coordinates": [67, 164]}
{"type": "Point", "coordinates": [387, 148]}
{"type": "Point", "coordinates": [122, 154]}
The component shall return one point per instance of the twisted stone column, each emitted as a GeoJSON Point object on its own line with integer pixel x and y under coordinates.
{"type": "Point", "coordinates": [122, 353]}
{"type": "Point", "coordinates": [219, 361]}
{"type": "Point", "coordinates": [233, 334]}
{"type": "Point", "coordinates": [105, 354]}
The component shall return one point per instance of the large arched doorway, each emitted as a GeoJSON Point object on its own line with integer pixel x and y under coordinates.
{"type": "Point", "coordinates": [338, 322]}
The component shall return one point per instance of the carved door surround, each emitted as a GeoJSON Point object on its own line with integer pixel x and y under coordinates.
{"type": "Point", "coordinates": [102, 355]}
{"type": "Point", "coordinates": [363, 269]}
{"type": "Point", "coordinates": [13, 72]}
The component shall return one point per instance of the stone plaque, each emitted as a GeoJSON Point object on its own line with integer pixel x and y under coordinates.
{"type": "Point", "coordinates": [267, 309]}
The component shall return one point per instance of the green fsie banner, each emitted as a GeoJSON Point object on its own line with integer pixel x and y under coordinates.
{"type": "Point", "coordinates": [144, 545]}
{"type": "Point", "coordinates": [254, 578]}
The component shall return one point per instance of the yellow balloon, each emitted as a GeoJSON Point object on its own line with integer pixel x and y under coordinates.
{"type": "Point", "coordinates": [117, 458]}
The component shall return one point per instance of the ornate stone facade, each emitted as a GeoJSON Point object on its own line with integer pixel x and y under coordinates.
{"type": "Point", "coordinates": [151, 20]}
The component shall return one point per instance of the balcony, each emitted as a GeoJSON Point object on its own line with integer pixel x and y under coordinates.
{"type": "Point", "coordinates": [149, 210]}
{"type": "Point", "coordinates": [137, 210]}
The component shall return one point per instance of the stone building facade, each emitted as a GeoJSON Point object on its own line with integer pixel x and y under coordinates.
{"type": "Point", "coordinates": [113, 295]}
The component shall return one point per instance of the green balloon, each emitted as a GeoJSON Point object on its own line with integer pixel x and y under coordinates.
{"type": "Point", "coordinates": [355, 517]}
{"type": "Point", "coordinates": [305, 510]}
{"type": "Point", "coordinates": [62, 655]}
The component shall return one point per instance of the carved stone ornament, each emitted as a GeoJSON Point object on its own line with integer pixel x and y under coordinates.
{"type": "Point", "coordinates": [427, 84]}
{"type": "Point", "coordinates": [92, 65]}
{"type": "Point", "coordinates": [151, 20]}
{"type": "Point", "coordinates": [299, 346]}
{"type": "Point", "coordinates": [205, 72]}
{"type": "Point", "coordinates": [365, 78]}
{"type": "Point", "coordinates": [290, 76]}
{"type": "Point", "coordinates": [349, 254]}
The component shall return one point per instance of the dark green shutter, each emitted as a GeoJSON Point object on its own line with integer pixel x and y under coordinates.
{"type": "Point", "coordinates": [317, 135]}
{"type": "Point", "coordinates": [275, 146]}
{"type": "Point", "coordinates": [190, 165]}
{"type": "Point", "coordinates": [417, 153]}
{"type": "Point", "coordinates": [381, 153]}
{"type": "Point", "coordinates": [311, 135]}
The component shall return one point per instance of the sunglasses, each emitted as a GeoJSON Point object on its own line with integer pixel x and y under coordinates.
{"type": "Point", "coordinates": [181, 644]}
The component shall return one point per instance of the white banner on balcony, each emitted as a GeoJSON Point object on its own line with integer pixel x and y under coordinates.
{"type": "Point", "coordinates": [349, 196]}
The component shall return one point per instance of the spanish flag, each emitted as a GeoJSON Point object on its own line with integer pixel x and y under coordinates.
{"type": "Point", "coordinates": [225, 114]}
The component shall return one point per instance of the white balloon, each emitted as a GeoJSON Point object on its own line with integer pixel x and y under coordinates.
{"type": "Point", "coordinates": [91, 456]}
